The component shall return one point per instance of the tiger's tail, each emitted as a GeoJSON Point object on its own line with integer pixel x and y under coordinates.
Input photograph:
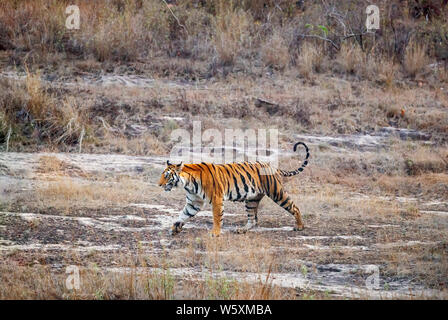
{"type": "Point", "coordinates": [304, 164]}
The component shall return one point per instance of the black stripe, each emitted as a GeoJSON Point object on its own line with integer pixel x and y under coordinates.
{"type": "Point", "coordinates": [246, 188]}
{"type": "Point", "coordinates": [284, 202]}
{"type": "Point", "coordinates": [268, 184]}
{"type": "Point", "coordinates": [196, 186]}
{"type": "Point", "coordinates": [188, 213]}
{"type": "Point", "coordinates": [275, 189]}
{"type": "Point", "coordinates": [194, 208]}
{"type": "Point", "coordinates": [238, 195]}
{"type": "Point", "coordinates": [213, 177]}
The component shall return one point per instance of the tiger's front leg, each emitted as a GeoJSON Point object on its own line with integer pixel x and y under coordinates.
{"type": "Point", "coordinates": [193, 206]}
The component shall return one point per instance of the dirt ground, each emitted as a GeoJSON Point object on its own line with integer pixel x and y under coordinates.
{"type": "Point", "coordinates": [88, 115]}
{"type": "Point", "coordinates": [106, 212]}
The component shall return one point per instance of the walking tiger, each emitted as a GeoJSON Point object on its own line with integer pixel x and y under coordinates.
{"type": "Point", "coordinates": [214, 183]}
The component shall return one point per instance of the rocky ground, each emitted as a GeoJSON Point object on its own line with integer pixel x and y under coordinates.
{"type": "Point", "coordinates": [93, 210]}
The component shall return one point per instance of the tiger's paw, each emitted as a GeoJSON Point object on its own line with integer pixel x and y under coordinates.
{"type": "Point", "coordinates": [215, 233]}
{"type": "Point", "coordinates": [176, 228]}
{"type": "Point", "coordinates": [246, 228]}
{"type": "Point", "coordinates": [241, 230]}
{"type": "Point", "coordinates": [299, 228]}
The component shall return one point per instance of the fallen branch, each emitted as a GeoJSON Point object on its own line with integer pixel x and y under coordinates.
{"type": "Point", "coordinates": [81, 137]}
{"type": "Point", "coordinates": [7, 137]}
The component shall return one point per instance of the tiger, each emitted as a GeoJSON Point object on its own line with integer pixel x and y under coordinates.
{"type": "Point", "coordinates": [244, 181]}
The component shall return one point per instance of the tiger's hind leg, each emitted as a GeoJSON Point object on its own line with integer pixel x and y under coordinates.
{"type": "Point", "coordinates": [252, 213]}
{"type": "Point", "coordinates": [284, 201]}
{"type": "Point", "coordinates": [217, 215]}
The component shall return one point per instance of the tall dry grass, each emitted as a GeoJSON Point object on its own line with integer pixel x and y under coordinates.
{"type": "Point", "coordinates": [275, 52]}
{"type": "Point", "coordinates": [207, 34]}
{"type": "Point", "coordinates": [231, 35]}
{"type": "Point", "coordinates": [30, 106]}
{"type": "Point", "coordinates": [350, 59]}
{"type": "Point", "coordinates": [309, 60]}
{"type": "Point", "coordinates": [129, 281]}
{"type": "Point", "coordinates": [415, 59]}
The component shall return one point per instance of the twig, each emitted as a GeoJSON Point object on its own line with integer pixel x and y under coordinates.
{"type": "Point", "coordinates": [177, 19]}
{"type": "Point", "coordinates": [81, 137]}
{"type": "Point", "coordinates": [358, 34]}
{"type": "Point", "coordinates": [321, 38]}
{"type": "Point", "coordinates": [7, 138]}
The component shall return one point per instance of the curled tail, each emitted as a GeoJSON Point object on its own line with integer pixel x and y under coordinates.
{"type": "Point", "coordinates": [304, 164]}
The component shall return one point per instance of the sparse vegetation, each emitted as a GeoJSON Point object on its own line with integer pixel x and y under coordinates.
{"type": "Point", "coordinates": [415, 59]}
{"type": "Point", "coordinates": [91, 112]}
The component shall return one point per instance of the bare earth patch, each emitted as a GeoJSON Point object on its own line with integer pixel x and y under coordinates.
{"type": "Point", "coordinates": [124, 230]}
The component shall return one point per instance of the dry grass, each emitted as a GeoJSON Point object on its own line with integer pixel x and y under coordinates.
{"type": "Point", "coordinates": [249, 253]}
{"type": "Point", "coordinates": [231, 32]}
{"type": "Point", "coordinates": [340, 192]}
{"type": "Point", "coordinates": [422, 160]}
{"type": "Point", "coordinates": [54, 167]}
{"type": "Point", "coordinates": [67, 193]}
{"type": "Point", "coordinates": [275, 52]}
{"type": "Point", "coordinates": [42, 282]}
{"type": "Point", "coordinates": [350, 59]}
{"type": "Point", "coordinates": [309, 60]}
{"type": "Point", "coordinates": [415, 59]}
{"type": "Point", "coordinates": [206, 35]}
{"type": "Point", "coordinates": [32, 106]}
{"type": "Point", "coordinates": [147, 144]}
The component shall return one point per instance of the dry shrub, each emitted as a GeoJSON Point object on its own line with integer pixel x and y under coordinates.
{"type": "Point", "coordinates": [130, 30]}
{"type": "Point", "coordinates": [442, 73]}
{"type": "Point", "coordinates": [51, 165]}
{"type": "Point", "coordinates": [376, 67]}
{"type": "Point", "coordinates": [59, 123]}
{"type": "Point", "coordinates": [415, 59]}
{"type": "Point", "coordinates": [350, 59]}
{"type": "Point", "coordinates": [18, 282]}
{"type": "Point", "coordinates": [309, 60]}
{"type": "Point", "coordinates": [275, 53]}
{"type": "Point", "coordinates": [423, 160]}
{"type": "Point", "coordinates": [385, 71]}
{"type": "Point", "coordinates": [39, 102]}
{"type": "Point", "coordinates": [4, 127]}
{"type": "Point", "coordinates": [116, 35]}
{"type": "Point", "coordinates": [231, 32]}
{"type": "Point", "coordinates": [198, 43]}
{"type": "Point", "coordinates": [37, 113]}
{"type": "Point", "coordinates": [35, 25]}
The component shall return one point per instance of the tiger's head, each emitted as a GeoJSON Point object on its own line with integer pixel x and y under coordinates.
{"type": "Point", "coordinates": [170, 176]}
